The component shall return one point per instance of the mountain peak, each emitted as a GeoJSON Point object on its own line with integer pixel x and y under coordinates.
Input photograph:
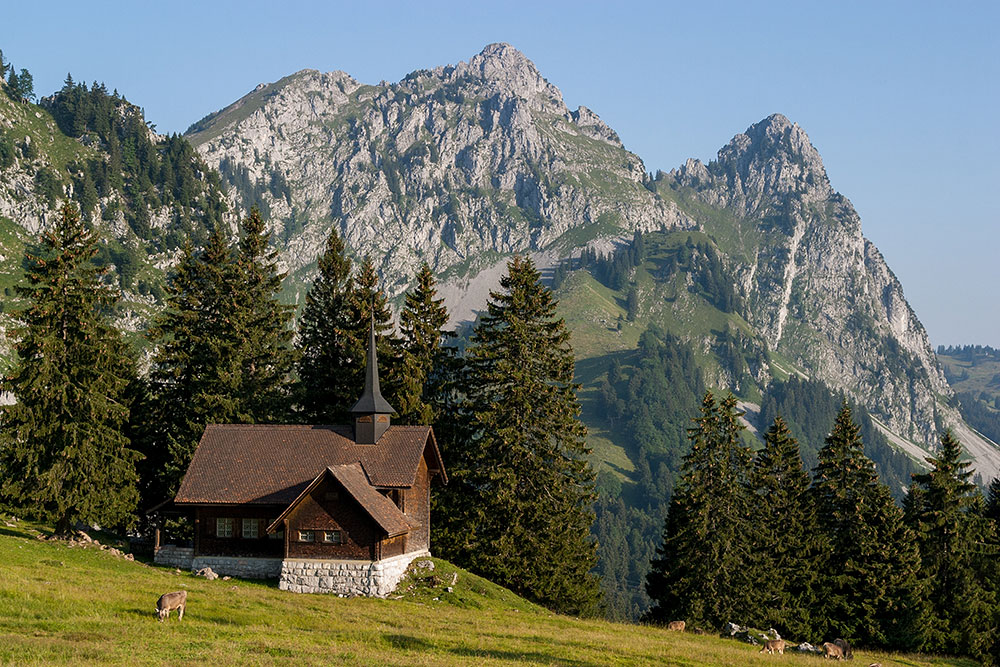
{"type": "Point", "coordinates": [774, 156]}
{"type": "Point", "coordinates": [502, 69]}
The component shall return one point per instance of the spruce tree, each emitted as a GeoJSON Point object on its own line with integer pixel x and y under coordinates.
{"type": "Point", "coordinates": [262, 325]}
{"type": "Point", "coordinates": [518, 503]}
{"type": "Point", "coordinates": [871, 594]}
{"type": "Point", "coordinates": [63, 456]}
{"type": "Point", "coordinates": [428, 364]}
{"type": "Point", "coordinates": [327, 365]}
{"type": "Point", "coordinates": [700, 571]}
{"type": "Point", "coordinates": [951, 529]}
{"type": "Point", "coordinates": [223, 351]}
{"type": "Point", "coordinates": [993, 500]}
{"type": "Point", "coordinates": [787, 543]}
{"type": "Point", "coordinates": [368, 303]}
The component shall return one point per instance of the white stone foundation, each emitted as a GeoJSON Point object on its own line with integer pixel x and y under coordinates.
{"type": "Point", "coordinates": [247, 568]}
{"type": "Point", "coordinates": [345, 577]}
{"type": "Point", "coordinates": [175, 556]}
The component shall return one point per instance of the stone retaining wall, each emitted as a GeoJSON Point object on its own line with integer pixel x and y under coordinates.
{"type": "Point", "coordinates": [345, 577]}
{"type": "Point", "coordinates": [175, 556]}
{"type": "Point", "coordinates": [248, 568]}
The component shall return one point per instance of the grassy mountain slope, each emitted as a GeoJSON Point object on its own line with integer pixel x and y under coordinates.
{"type": "Point", "coordinates": [61, 605]}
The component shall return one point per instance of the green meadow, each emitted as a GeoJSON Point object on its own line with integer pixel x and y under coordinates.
{"type": "Point", "coordinates": [84, 605]}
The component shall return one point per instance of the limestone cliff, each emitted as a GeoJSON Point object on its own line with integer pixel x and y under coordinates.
{"type": "Point", "coordinates": [464, 165]}
{"type": "Point", "coordinates": [459, 166]}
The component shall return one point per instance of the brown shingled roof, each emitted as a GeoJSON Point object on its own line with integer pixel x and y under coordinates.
{"type": "Point", "coordinates": [272, 464]}
{"type": "Point", "coordinates": [353, 479]}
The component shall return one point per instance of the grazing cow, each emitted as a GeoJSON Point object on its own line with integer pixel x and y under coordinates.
{"type": "Point", "coordinates": [676, 625]}
{"type": "Point", "coordinates": [170, 601]}
{"type": "Point", "coordinates": [845, 647]}
{"type": "Point", "coordinates": [772, 645]}
{"type": "Point", "coordinates": [832, 651]}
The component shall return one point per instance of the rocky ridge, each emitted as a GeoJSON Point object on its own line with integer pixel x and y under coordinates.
{"type": "Point", "coordinates": [459, 166]}
{"type": "Point", "coordinates": [464, 165]}
{"type": "Point", "coordinates": [815, 288]}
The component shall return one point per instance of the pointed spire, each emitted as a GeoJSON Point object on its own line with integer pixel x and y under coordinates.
{"type": "Point", "coordinates": [372, 411]}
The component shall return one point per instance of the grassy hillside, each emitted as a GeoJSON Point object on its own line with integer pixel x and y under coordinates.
{"type": "Point", "coordinates": [61, 604]}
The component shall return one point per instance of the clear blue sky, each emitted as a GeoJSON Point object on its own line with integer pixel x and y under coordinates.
{"type": "Point", "coordinates": [900, 98]}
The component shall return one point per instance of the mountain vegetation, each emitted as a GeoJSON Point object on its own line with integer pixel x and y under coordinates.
{"type": "Point", "coordinates": [591, 467]}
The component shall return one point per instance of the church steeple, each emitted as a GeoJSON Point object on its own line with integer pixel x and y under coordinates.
{"type": "Point", "coordinates": [372, 412]}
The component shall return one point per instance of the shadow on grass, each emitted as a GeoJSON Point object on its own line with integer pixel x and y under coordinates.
{"type": "Point", "coordinates": [516, 656]}
{"type": "Point", "coordinates": [407, 643]}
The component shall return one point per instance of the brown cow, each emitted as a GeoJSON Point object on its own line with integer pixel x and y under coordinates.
{"type": "Point", "coordinates": [170, 601]}
{"type": "Point", "coordinates": [772, 645]}
{"type": "Point", "coordinates": [845, 647]}
{"type": "Point", "coordinates": [676, 625]}
{"type": "Point", "coordinates": [832, 651]}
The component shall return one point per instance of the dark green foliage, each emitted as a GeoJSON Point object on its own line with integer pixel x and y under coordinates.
{"type": "Point", "coordinates": [517, 508]}
{"type": "Point", "coordinates": [871, 591]}
{"type": "Point", "coordinates": [223, 349]}
{"type": "Point", "coordinates": [64, 456]}
{"type": "Point", "coordinates": [945, 510]}
{"type": "Point", "coordinates": [809, 407]}
{"type": "Point", "coordinates": [146, 171]}
{"type": "Point", "coordinates": [327, 365]}
{"type": "Point", "coordinates": [699, 573]}
{"type": "Point", "coordinates": [992, 510]}
{"type": "Point", "coordinates": [20, 86]}
{"type": "Point", "coordinates": [252, 191]}
{"type": "Point", "coordinates": [788, 545]}
{"type": "Point", "coordinates": [650, 394]}
{"type": "Point", "coordinates": [367, 303]}
{"type": "Point", "coordinates": [7, 152]}
{"type": "Point", "coordinates": [48, 186]}
{"type": "Point", "coordinates": [428, 364]}
{"type": "Point", "coordinates": [980, 415]}
{"type": "Point", "coordinates": [615, 270]}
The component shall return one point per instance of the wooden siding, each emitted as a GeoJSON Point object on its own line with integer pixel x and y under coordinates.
{"type": "Point", "coordinates": [318, 513]}
{"type": "Point", "coordinates": [208, 544]}
{"type": "Point", "coordinates": [417, 506]}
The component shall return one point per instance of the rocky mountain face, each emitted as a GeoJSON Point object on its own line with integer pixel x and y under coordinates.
{"type": "Point", "coordinates": [458, 166]}
{"type": "Point", "coordinates": [464, 165]}
{"type": "Point", "coordinates": [814, 287]}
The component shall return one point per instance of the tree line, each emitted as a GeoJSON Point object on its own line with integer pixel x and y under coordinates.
{"type": "Point", "coordinates": [753, 538]}
{"type": "Point", "coordinates": [90, 439]}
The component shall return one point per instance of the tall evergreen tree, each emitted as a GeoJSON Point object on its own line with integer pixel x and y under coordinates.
{"type": "Point", "coordinates": [63, 455]}
{"type": "Point", "coordinates": [368, 303]}
{"type": "Point", "coordinates": [518, 504]}
{"type": "Point", "coordinates": [223, 348]}
{"type": "Point", "coordinates": [993, 500]}
{"type": "Point", "coordinates": [871, 591]}
{"type": "Point", "coordinates": [263, 325]}
{"type": "Point", "coordinates": [787, 543]}
{"type": "Point", "coordinates": [951, 530]}
{"type": "Point", "coordinates": [700, 570]}
{"type": "Point", "coordinates": [327, 365]}
{"type": "Point", "coordinates": [428, 364]}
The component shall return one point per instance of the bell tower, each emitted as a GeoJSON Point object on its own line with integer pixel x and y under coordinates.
{"type": "Point", "coordinates": [372, 413]}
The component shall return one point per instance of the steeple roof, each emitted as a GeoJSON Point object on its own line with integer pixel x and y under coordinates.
{"type": "Point", "coordinates": [371, 401]}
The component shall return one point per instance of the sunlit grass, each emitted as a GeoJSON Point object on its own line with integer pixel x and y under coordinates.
{"type": "Point", "coordinates": [61, 604]}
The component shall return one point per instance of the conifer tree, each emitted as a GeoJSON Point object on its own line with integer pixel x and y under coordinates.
{"type": "Point", "coordinates": [700, 570]}
{"type": "Point", "coordinates": [263, 326]}
{"type": "Point", "coordinates": [993, 500]}
{"type": "Point", "coordinates": [871, 594]}
{"type": "Point", "coordinates": [223, 348]}
{"type": "Point", "coordinates": [327, 364]}
{"type": "Point", "coordinates": [369, 302]}
{"type": "Point", "coordinates": [947, 517]}
{"type": "Point", "coordinates": [63, 455]}
{"type": "Point", "coordinates": [520, 489]}
{"type": "Point", "coordinates": [428, 364]}
{"type": "Point", "coordinates": [787, 543]}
